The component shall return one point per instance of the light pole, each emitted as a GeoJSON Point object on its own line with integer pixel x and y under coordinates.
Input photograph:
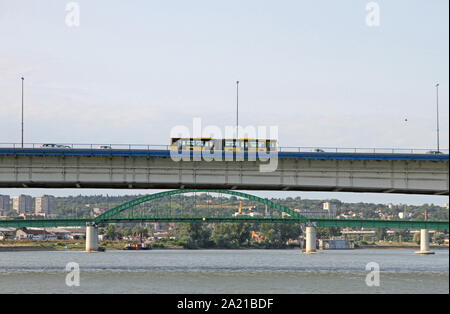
{"type": "Point", "coordinates": [237, 109]}
{"type": "Point", "coordinates": [22, 111]}
{"type": "Point", "coordinates": [437, 114]}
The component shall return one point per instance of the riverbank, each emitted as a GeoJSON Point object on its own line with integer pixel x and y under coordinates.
{"type": "Point", "coordinates": [64, 245]}
{"type": "Point", "coordinates": [77, 245]}
{"type": "Point", "coordinates": [22, 248]}
{"type": "Point", "coordinates": [398, 245]}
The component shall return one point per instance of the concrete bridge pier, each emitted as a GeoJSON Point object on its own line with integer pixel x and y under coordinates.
{"type": "Point", "coordinates": [424, 242]}
{"type": "Point", "coordinates": [91, 237]}
{"type": "Point", "coordinates": [310, 246]}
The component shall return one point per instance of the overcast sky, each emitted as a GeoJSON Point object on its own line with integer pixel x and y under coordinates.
{"type": "Point", "coordinates": [131, 71]}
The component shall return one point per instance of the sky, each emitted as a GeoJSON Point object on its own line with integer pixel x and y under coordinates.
{"type": "Point", "coordinates": [129, 72]}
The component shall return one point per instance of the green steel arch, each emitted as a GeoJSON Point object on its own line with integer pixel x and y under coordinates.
{"type": "Point", "coordinates": [113, 212]}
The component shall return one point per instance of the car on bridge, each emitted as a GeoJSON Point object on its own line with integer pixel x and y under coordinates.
{"type": "Point", "coordinates": [434, 152]}
{"type": "Point", "coordinates": [318, 150]}
{"type": "Point", "coordinates": [104, 147]}
{"type": "Point", "coordinates": [55, 146]}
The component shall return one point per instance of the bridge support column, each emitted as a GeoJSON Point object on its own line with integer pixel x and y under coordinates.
{"type": "Point", "coordinates": [424, 242]}
{"type": "Point", "coordinates": [91, 237]}
{"type": "Point", "coordinates": [310, 246]}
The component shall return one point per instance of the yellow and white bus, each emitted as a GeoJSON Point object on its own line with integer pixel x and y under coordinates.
{"type": "Point", "coordinates": [233, 144]}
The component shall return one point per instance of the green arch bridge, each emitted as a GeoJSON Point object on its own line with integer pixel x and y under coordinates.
{"type": "Point", "coordinates": [115, 215]}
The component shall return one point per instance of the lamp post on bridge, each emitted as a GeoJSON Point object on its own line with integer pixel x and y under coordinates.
{"type": "Point", "coordinates": [22, 111]}
{"type": "Point", "coordinates": [437, 114]}
{"type": "Point", "coordinates": [237, 109]}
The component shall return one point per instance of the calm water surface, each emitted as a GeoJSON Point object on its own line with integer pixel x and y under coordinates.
{"type": "Point", "coordinates": [224, 271]}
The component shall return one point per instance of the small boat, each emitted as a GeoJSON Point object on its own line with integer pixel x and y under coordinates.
{"type": "Point", "coordinates": [137, 246]}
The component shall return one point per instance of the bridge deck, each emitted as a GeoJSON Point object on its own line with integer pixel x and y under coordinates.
{"type": "Point", "coordinates": [166, 153]}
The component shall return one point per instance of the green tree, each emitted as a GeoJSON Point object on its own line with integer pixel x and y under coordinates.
{"type": "Point", "coordinates": [111, 232]}
{"type": "Point", "coordinates": [222, 235]}
{"type": "Point", "coordinates": [196, 235]}
{"type": "Point", "coordinates": [380, 234]}
{"type": "Point", "coordinates": [402, 235]}
{"type": "Point", "coordinates": [241, 233]}
{"type": "Point", "coordinates": [276, 235]}
{"type": "Point", "coordinates": [439, 237]}
{"type": "Point", "coordinates": [327, 232]}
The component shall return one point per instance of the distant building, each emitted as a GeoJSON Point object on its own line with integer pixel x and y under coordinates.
{"type": "Point", "coordinates": [45, 204]}
{"type": "Point", "coordinates": [4, 204]}
{"type": "Point", "coordinates": [31, 234]}
{"type": "Point", "coordinates": [336, 243]}
{"type": "Point", "coordinates": [313, 213]}
{"type": "Point", "coordinates": [157, 227]}
{"type": "Point", "coordinates": [331, 208]}
{"type": "Point", "coordinates": [31, 215]}
{"type": "Point", "coordinates": [390, 206]}
{"type": "Point", "coordinates": [446, 206]}
{"type": "Point", "coordinates": [7, 233]}
{"type": "Point", "coordinates": [404, 215]}
{"type": "Point", "coordinates": [23, 204]}
{"type": "Point", "coordinates": [95, 212]}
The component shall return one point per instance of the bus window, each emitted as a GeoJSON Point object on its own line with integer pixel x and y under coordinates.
{"type": "Point", "coordinates": [261, 144]}
{"type": "Point", "coordinates": [229, 143]}
{"type": "Point", "coordinates": [198, 143]}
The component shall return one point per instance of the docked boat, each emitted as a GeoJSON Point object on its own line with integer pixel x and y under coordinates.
{"type": "Point", "coordinates": [137, 246]}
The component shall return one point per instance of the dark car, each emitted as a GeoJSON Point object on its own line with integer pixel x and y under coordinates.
{"type": "Point", "coordinates": [54, 146]}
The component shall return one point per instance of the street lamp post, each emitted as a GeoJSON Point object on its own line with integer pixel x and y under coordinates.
{"type": "Point", "coordinates": [22, 111]}
{"type": "Point", "coordinates": [437, 114]}
{"type": "Point", "coordinates": [237, 109]}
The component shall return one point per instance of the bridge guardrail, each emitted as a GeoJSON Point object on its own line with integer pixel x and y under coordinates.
{"type": "Point", "coordinates": [285, 149]}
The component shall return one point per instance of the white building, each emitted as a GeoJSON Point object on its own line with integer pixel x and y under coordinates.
{"type": "Point", "coordinates": [404, 215]}
{"type": "Point", "coordinates": [23, 204]}
{"type": "Point", "coordinates": [331, 208]}
{"type": "Point", "coordinates": [45, 204]}
{"type": "Point", "coordinates": [34, 234]}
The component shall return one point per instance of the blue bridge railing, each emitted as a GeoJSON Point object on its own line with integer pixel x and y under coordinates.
{"type": "Point", "coordinates": [283, 149]}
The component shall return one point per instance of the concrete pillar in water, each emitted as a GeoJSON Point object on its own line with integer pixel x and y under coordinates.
{"type": "Point", "coordinates": [424, 242]}
{"type": "Point", "coordinates": [310, 239]}
{"type": "Point", "coordinates": [91, 237]}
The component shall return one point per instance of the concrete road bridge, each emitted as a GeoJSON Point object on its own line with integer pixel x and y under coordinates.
{"type": "Point", "coordinates": [152, 167]}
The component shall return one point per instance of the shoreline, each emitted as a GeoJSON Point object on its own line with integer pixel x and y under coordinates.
{"type": "Point", "coordinates": [26, 248]}
{"type": "Point", "coordinates": [77, 245]}
{"type": "Point", "coordinates": [29, 248]}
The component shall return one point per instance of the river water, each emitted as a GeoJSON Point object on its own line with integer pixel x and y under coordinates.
{"type": "Point", "coordinates": [225, 271]}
